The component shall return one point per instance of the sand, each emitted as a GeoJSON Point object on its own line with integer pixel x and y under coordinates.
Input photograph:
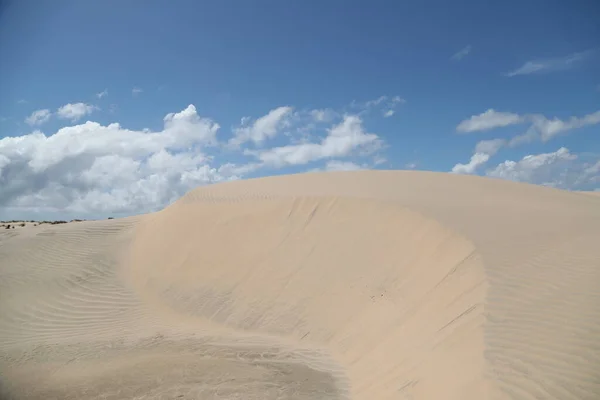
{"type": "Point", "coordinates": [345, 285]}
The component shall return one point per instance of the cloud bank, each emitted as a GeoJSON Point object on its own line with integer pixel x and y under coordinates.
{"type": "Point", "coordinates": [90, 169]}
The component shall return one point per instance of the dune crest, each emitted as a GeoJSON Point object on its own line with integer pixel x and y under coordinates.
{"type": "Point", "coordinates": [361, 285]}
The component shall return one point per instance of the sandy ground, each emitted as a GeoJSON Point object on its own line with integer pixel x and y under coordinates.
{"type": "Point", "coordinates": [361, 285]}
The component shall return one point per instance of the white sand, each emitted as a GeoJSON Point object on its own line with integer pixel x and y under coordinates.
{"type": "Point", "coordinates": [361, 285]}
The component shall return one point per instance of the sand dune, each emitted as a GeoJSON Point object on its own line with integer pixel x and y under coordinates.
{"type": "Point", "coordinates": [596, 193]}
{"type": "Point", "coordinates": [359, 285]}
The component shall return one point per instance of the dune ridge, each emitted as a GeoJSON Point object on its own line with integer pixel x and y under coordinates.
{"type": "Point", "coordinates": [361, 285]}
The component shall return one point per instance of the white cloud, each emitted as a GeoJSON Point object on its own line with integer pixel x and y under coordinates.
{"type": "Point", "coordinates": [548, 128]}
{"type": "Point", "coordinates": [528, 68]}
{"type": "Point", "coordinates": [379, 159]}
{"type": "Point", "coordinates": [263, 128]}
{"type": "Point", "coordinates": [324, 115]}
{"type": "Point", "coordinates": [375, 102]}
{"type": "Point", "coordinates": [475, 162]}
{"type": "Point", "coordinates": [234, 171]}
{"type": "Point", "coordinates": [529, 136]}
{"type": "Point", "coordinates": [483, 151]}
{"type": "Point", "coordinates": [91, 168]}
{"type": "Point", "coordinates": [75, 111]}
{"type": "Point", "coordinates": [186, 128]}
{"type": "Point", "coordinates": [552, 64]}
{"type": "Point", "coordinates": [386, 104]}
{"type": "Point", "coordinates": [136, 90]}
{"type": "Point", "coordinates": [561, 169]}
{"type": "Point", "coordinates": [593, 169]}
{"type": "Point", "coordinates": [4, 161]}
{"type": "Point", "coordinates": [522, 170]}
{"type": "Point", "coordinates": [411, 165]}
{"type": "Point", "coordinates": [336, 165]}
{"type": "Point", "coordinates": [489, 147]}
{"type": "Point", "coordinates": [391, 105]}
{"type": "Point", "coordinates": [102, 94]}
{"type": "Point", "coordinates": [490, 119]}
{"type": "Point", "coordinates": [459, 55]}
{"type": "Point", "coordinates": [22, 101]}
{"type": "Point", "coordinates": [541, 127]}
{"type": "Point", "coordinates": [38, 117]}
{"type": "Point", "coordinates": [544, 129]}
{"type": "Point", "coordinates": [342, 140]}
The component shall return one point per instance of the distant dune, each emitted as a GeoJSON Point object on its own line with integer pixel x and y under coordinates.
{"type": "Point", "coordinates": [347, 285]}
{"type": "Point", "coordinates": [596, 193]}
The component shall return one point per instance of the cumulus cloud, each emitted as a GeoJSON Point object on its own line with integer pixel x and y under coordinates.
{"type": "Point", "coordinates": [548, 128]}
{"type": "Point", "coordinates": [540, 127]}
{"type": "Point", "coordinates": [552, 64]}
{"type": "Point", "coordinates": [490, 119]}
{"type": "Point", "coordinates": [75, 111]}
{"type": "Point", "coordinates": [483, 151]}
{"type": "Point", "coordinates": [529, 165]}
{"type": "Point", "coordinates": [136, 90]}
{"type": "Point", "coordinates": [263, 128]}
{"type": "Point", "coordinates": [533, 167]}
{"type": "Point", "coordinates": [545, 129]}
{"type": "Point", "coordinates": [102, 94]}
{"type": "Point", "coordinates": [475, 162]}
{"type": "Point", "coordinates": [92, 168]}
{"type": "Point", "coordinates": [462, 53]}
{"type": "Point", "coordinates": [342, 140]}
{"type": "Point", "coordinates": [561, 169]}
{"type": "Point", "coordinates": [38, 117]}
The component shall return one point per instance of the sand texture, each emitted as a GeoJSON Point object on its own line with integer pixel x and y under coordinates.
{"type": "Point", "coordinates": [347, 285]}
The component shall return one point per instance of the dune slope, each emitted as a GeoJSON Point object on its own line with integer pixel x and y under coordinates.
{"type": "Point", "coordinates": [361, 285]}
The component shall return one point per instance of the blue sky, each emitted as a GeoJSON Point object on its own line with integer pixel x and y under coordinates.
{"type": "Point", "coordinates": [506, 89]}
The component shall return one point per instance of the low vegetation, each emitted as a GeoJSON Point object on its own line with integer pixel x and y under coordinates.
{"type": "Point", "coordinates": [14, 223]}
